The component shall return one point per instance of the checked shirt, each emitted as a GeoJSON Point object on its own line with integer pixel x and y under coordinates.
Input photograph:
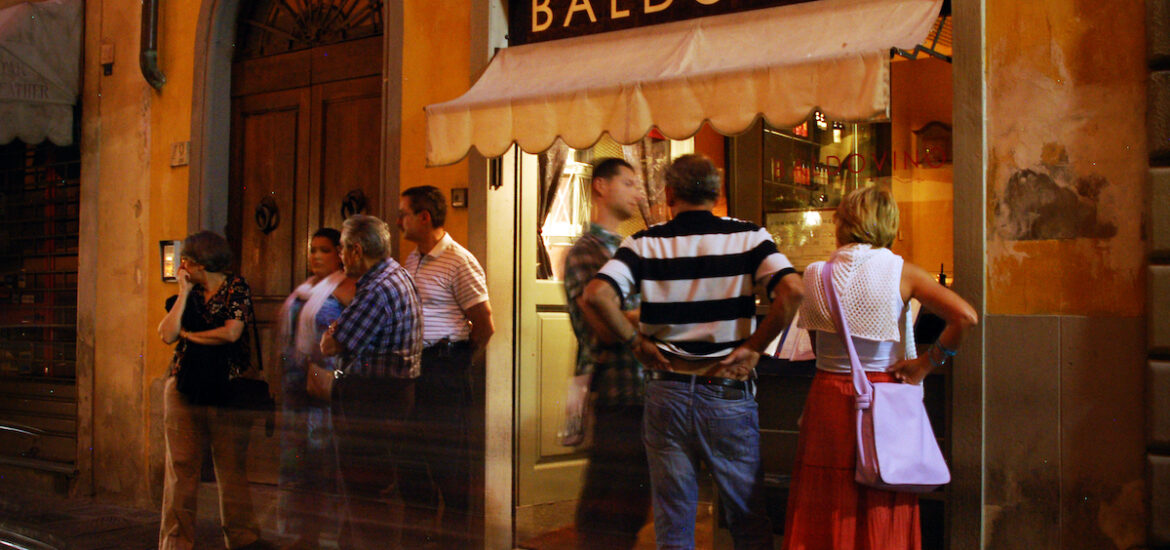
{"type": "Point", "coordinates": [381, 330]}
{"type": "Point", "coordinates": [618, 378]}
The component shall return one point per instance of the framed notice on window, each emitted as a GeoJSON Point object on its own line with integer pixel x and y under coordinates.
{"type": "Point", "coordinates": [805, 237]}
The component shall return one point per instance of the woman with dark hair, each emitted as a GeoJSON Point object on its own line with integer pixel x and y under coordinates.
{"type": "Point", "coordinates": [206, 321]}
{"type": "Point", "coordinates": [308, 463]}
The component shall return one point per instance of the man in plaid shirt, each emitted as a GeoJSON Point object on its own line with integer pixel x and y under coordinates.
{"type": "Point", "coordinates": [379, 338]}
{"type": "Point", "coordinates": [615, 501]}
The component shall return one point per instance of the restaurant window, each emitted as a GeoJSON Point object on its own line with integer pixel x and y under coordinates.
{"type": "Point", "coordinates": [807, 169]}
{"type": "Point", "coordinates": [790, 179]}
{"type": "Point", "coordinates": [565, 207]}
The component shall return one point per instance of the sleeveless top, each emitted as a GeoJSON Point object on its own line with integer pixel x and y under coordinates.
{"type": "Point", "coordinates": [868, 284]}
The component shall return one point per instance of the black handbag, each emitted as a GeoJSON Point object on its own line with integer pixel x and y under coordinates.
{"type": "Point", "coordinates": [203, 374]}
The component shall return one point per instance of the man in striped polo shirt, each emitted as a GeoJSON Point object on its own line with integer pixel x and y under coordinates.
{"type": "Point", "coordinates": [457, 323]}
{"type": "Point", "coordinates": [698, 276]}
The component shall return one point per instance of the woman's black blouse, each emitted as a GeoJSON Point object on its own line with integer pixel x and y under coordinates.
{"type": "Point", "coordinates": [233, 300]}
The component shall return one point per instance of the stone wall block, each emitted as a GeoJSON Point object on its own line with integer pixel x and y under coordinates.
{"type": "Point", "coordinates": [1159, 470]}
{"type": "Point", "coordinates": [1158, 403]}
{"type": "Point", "coordinates": [1158, 31]}
{"type": "Point", "coordinates": [1158, 117]}
{"type": "Point", "coordinates": [1158, 308]}
{"type": "Point", "coordinates": [1160, 211]}
{"type": "Point", "coordinates": [1022, 501]}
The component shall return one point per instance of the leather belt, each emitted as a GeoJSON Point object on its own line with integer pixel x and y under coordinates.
{"type": "Point", "coordinates": [448, 345]}
{"type": "Point", "coordinates": [704, 380]}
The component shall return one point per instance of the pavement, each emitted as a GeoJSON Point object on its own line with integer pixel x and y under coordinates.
{"type": "Point", "coordinates": [43, 522]}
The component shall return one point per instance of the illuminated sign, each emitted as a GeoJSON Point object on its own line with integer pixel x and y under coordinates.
{"type": "Point", "coordinates": [540, 20]}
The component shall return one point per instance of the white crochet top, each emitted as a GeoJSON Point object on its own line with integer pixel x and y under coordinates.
{"type": "Point", "coordinates": [868, 284]}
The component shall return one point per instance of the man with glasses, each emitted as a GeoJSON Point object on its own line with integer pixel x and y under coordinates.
{"type": "Point", "coordinates": [379, 338]}
{"type": "Point", "coordinates": [457, 323]}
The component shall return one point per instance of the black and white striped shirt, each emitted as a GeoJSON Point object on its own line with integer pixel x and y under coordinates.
{"type": "Point", "coordinates": [697, 275]}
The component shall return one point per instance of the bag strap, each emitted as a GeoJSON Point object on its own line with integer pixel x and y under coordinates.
{"type": "Point", "coordinates": [861, 385]}
{"type": "Point", "coordinates": [255, 337]}
{"type": "Point", "coordinates": [251, 320]}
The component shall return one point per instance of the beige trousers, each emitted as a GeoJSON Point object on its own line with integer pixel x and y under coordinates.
{"type": "Point", "coordinates": [189, 428]}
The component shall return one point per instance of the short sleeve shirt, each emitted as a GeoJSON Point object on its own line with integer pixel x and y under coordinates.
{"type": "Point", "coordinates": [618, 378]}
{"type": "Point", "coordinates": [449, 281]}
{"type": "Point", "coordinates": [233, 301]}
{"type": "Point", "coordinates": [698, 276]}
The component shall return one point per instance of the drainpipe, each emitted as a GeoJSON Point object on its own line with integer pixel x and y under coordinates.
{"type": "Point", "coordinates": [148, 45]}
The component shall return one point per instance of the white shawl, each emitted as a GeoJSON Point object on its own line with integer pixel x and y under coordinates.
{"type": "Point", "coordinates": [313, 292]}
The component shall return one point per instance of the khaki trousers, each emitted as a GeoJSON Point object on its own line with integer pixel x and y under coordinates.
{"type": "Point", "coordinates": [189, 428]}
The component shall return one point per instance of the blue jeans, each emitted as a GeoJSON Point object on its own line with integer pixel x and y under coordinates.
{"type": "Point", "coordinates": [685, 422]}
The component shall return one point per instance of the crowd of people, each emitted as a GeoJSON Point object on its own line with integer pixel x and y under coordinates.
{"type": "Point", "coordinates": [376, 357]}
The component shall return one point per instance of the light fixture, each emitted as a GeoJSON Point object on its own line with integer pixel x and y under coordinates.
{"type": "Point", "coordinates": [169, 253]}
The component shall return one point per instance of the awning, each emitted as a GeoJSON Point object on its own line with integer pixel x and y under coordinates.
{"type": "Point", "coordinates": [780, 63]}
{"type": "Point", "coordinates": [40, 56]}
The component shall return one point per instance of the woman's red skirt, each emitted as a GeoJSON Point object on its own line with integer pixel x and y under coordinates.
{"type": "Point", "coordinates": [827, 510]}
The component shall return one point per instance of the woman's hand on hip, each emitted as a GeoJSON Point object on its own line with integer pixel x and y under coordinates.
{"type": "Point", "coordinates": [911, 371]}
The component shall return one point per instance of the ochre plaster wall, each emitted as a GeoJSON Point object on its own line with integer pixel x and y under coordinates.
{"type": "Point", "coordinates": [170, 117]}
{"type": "Point", "coordinates": [435, 68]}
{"type": "Point", "coordinates": [1065, 108]}
{"type": "Point", "coordinates": [1063, 431]}
{"type": "Point", "coordinates": [128, 129]}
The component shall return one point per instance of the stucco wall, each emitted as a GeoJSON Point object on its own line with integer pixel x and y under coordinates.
{"type": "Point", "coordinates": [1066, 162]}
{"type": "Point", "coordinates": [1066, 96]}
{"type": "Point", "coordinates": [170, 117]}
{"type": "Point", "coordinates": [434, 67]}
{"type": "Point", "coordinates": [133, 199]}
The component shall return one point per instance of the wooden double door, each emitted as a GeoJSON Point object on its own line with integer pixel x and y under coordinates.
{"type": "Point", "coordinates": [305, 154]}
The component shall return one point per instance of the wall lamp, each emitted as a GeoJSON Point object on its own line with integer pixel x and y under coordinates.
{"type": "Point", "coordinates": [169, 253]}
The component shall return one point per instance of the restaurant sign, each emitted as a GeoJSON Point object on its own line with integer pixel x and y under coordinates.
{"type": "Point", "coordinates": [540, 20]}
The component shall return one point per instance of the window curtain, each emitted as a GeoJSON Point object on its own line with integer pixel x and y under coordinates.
{"type": "Point", "coordinates": [651, 158]}
{"type": "Point", "coordinates": [550, 185]}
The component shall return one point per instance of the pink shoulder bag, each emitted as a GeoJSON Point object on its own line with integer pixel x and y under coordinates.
{"type": "Point", "coordinates": [896, 449]}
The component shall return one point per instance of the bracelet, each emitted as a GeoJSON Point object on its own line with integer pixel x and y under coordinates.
{"type": "Point", "coordinates": [930, 357]}
{"type": "Point", "coordinates": [944, 350]}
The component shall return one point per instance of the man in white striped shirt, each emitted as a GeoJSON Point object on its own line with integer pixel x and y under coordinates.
{"type": "Point", "coordinates": [457, 323]}
{"type": "Point", "coordinates": [698, 276]}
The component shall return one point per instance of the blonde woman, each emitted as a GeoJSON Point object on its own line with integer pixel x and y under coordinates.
{"type": "Point", "coordinates": [827, 509]}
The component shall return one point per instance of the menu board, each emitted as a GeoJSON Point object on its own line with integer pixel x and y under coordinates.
{"type": "Point", "coordinates": [805, 237]}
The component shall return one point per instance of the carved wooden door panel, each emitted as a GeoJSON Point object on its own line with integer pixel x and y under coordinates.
{"type": "Point", "coordinates": [346, 147]}
{"type": "Point", "coordinates": [269, 192]}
